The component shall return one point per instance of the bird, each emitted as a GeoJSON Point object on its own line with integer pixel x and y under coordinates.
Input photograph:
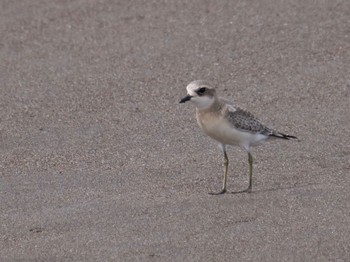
{"type": "Point", "coordinates": [228, 124]}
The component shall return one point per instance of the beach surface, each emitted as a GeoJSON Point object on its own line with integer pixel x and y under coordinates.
{"type": "Point", "coordinates": [99, 161]}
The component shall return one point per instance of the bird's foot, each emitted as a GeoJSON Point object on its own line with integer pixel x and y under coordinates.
{"type": "Point", "coordinates": [223, 191]}
{"type": "Point", "coordinates": [248, 190]}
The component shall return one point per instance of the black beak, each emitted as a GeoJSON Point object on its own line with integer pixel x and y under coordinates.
{"type": "Point", "coordinates": [185, 99]}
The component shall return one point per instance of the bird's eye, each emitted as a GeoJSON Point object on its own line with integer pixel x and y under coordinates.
{"type": "Point", "coordinates": [201, 91]}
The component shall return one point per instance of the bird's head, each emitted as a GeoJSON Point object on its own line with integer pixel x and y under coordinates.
{"type": "Point", "coordinates": [200, 93]}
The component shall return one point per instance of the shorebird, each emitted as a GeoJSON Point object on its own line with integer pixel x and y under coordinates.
{"type": "Point", "coordinates": [228, 124]}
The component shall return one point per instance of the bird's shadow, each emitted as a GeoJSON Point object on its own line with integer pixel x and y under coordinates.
{"type": "Point", "coordinates": [272, 189]}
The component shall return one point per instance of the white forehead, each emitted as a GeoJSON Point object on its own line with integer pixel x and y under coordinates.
{"type": "Point", "coordinates": [191, 88]}
{"type": "Point", "coordinates": [194, 85]}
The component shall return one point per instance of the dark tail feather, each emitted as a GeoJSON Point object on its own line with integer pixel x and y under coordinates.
{"type": "Point", "coordinates": [282, 136]}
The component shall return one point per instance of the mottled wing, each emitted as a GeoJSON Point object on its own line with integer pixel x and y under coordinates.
{"type": "Point", "coordinates": [245, 121]}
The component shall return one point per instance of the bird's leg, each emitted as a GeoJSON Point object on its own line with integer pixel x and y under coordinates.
{"type": "Point", "coordinates": [225, 174]}
{"type": "Point", "coordinates": [250, 161]}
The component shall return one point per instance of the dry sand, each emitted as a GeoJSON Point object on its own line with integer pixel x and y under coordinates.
{"type": "Point", "coordinates": [99, 162]}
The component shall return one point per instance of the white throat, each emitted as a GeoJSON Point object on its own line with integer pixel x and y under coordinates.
{"type": "Point", "coordinates": [203, 102]}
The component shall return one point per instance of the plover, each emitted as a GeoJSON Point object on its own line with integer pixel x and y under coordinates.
{"type": "Point", "coordinates": [228, 124]}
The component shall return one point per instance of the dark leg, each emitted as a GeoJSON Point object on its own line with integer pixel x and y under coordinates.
{"type": "Point", "coordinates": [250, 161]}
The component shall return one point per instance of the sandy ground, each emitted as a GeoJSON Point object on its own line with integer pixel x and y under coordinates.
{"type": "Point", "coordinates": [99, 162]}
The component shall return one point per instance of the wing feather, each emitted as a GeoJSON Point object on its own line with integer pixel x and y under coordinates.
{"type": "Point", "coordinates": [245, 121]}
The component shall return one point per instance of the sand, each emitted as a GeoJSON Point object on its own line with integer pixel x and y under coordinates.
{"type": "Point", "coordinates": [99, 161]}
